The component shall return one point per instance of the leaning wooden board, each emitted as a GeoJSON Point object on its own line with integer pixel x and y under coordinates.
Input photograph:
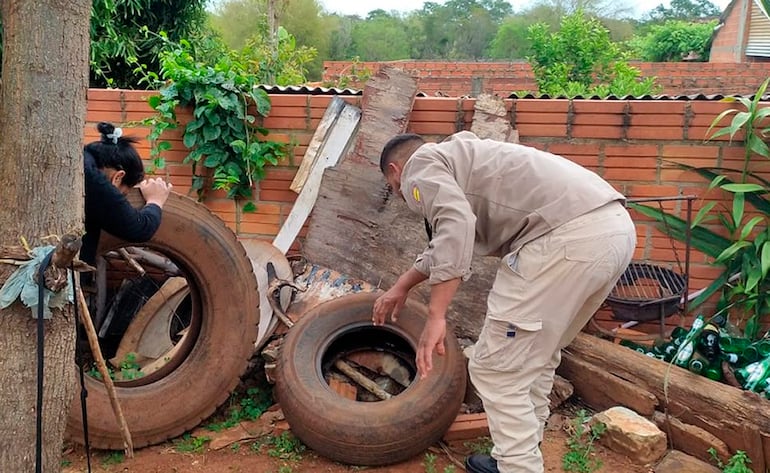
{"type": "Point", "coordinates": [360, 229]}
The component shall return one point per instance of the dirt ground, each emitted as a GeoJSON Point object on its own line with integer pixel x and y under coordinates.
{"type": "Point", "coordinates": [166, 459]}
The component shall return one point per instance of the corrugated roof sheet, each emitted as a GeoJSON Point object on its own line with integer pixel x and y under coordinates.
{"type": "Point", "coordinates": [315, 90]}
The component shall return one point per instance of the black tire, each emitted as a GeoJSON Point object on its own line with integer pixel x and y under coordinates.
{"type": "Point", "coordinates": [224, 295]}
{"type": "Point", "coordinates": [364, 433]}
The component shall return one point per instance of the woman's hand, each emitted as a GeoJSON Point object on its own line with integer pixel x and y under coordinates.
{"type": "Point", "coordinates": [155, 191]}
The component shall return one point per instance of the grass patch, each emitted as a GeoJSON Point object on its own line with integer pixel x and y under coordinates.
{"type": "Point", "coordinates": [190, 444]}
{"type": "Point", "coordinates": [579, 458]}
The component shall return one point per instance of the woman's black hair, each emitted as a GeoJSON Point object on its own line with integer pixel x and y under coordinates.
{"type": "Point", "coordinates": [117, 152]}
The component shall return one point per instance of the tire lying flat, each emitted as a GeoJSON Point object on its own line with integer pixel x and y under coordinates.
{"type": "Point", "coordinates": [227, 304]}
{"type": "Point", "coordinates": [364, 433]}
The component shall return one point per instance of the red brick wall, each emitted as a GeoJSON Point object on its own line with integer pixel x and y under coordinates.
{"type": "Point", "coordinates": [730, 39]}
{"type": "Point", "coordinates": [457, 79]}
{"type": "Point", "coordinates": [633, 144]}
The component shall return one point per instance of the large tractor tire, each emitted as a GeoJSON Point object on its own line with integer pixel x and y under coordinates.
{"type": "Point", "coordinates": [203, 373]}
{"type": "Point", "coordinates": [365, 433]}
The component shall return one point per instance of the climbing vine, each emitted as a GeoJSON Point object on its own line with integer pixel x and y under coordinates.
{"type": "Point", "coordinates": [228, 150]}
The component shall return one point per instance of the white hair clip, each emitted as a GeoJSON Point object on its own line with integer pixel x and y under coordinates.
{"type": "Point", "coordinates": [117, 133]}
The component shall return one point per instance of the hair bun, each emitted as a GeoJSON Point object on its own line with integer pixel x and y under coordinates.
{"type": "Point", "coordinates": [105, 128]}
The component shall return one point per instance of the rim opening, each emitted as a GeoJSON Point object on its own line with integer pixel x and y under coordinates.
{"type": "Point", "coordinates": [146, 309]}
{"type": "Point", "coordinates": [377, 354]}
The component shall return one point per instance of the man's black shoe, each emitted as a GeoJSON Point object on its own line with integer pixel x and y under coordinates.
{"type": "Point", "coordinates": [481, 464]}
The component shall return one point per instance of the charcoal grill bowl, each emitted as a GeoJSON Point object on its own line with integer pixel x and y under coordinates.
{"type": "Point", "coordinates": [647, 308]}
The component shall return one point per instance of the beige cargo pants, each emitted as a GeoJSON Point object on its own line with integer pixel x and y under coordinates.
{"type": "Point", "coordinates": [542, 297]}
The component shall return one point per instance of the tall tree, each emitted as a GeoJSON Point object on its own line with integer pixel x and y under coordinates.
{"type": "Point", "coordinates": [239, 22]}
{"type": "Point", "coordinates": [42, 114]}
{"type": "Point", "coordinates": [687, 10]}
{"type": "Point", "coordinates": [382, 37]}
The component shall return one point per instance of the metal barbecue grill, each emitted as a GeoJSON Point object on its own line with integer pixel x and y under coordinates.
{"type": "Point", "coordinates": [647, 292]}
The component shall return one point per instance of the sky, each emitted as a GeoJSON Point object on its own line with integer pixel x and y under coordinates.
{"type": "Point", "coordinates": [362, 7]}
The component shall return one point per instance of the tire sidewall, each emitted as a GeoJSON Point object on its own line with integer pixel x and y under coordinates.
{"type": "Point", "coordinates": [227, 299]}
{"type": "Point", "coordinates": [365, 433]}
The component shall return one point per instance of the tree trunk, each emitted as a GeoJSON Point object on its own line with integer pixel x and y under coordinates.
{"type": "Point", "coordinates": [42, 114]}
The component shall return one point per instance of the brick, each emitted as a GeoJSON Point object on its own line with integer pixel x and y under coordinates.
{"type": "Point", "coordinates": [467, 427]}
{"type": "Point", "coordinates": [657, 120]}
{"type": "Point", "coordinates": [115, 116]}
{"type": "Point", "coordinates": [527, 130]}
{"type": "Point", "coordinates": [277, 195]}
{"type": "Point", "coordinates": [631, 150]}
{"type": "Point", "coordinates": [657, 107]}
{"type": "Point", "coordinates": [628, 162]}
{"type": "Point", "coordinates": [627, 174]}
{"type": "Point", "coordinates": [448, 104]}
{"type": "Point", "coordinates": [112, 95]}
{"type": "Point", "coordinates": [541, 105]}
{"type": "Point", "coordinates": [572, 149]}
{"type": "Point", "coordinates": [288, 101]}
{"type": "Point", "coordinates": [597, 119]}
{"type": "Point", "coordinates": [701, 152]}
{"type": "Point", "coordinates": [645, 190]}
{"type": "Point", "coordinates": [258, 228]}
{"type": "Point", "coordinates": [654, 133]}
{"type": "Point", "coordinates": [285, 123]}
{"type": "Point", "coordinates": [595, 131]}
{"type": "Point", "coordinates": [432, 116]}
{"type": "Point", "coordinates": [599, 107]}
{"type": "Point", "coordinates": [544, 117]}
{"type": "Point", "coordinates": [288, 112]}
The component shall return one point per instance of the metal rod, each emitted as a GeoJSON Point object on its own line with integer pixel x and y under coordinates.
{"type": "Point", "coordinates": [661, 199]}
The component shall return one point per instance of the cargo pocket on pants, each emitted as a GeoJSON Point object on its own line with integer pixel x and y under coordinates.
{"type": "Point", "coordinates": [505, 345]}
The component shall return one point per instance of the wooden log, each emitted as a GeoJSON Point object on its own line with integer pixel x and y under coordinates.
{"type": "Point", "coordinates": [587, 378]}
{"type": "Point", "coordinates": [723, 410]}
{"type": "Point", "coordinates": [690, 439]}
{"type": "Point", "coordinates": [362, 380]}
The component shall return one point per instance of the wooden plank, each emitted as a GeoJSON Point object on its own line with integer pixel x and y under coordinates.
{"type": "Point", "coordinates": [319, 137]}
{"type": "Point", "coordinates": [689, 438]}
{"type": "Point", "coordinates": [333, 147]}
{"type": "Point", "coordinates": [614, 391]}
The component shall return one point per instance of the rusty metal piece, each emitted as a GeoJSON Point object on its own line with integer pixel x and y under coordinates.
{"type": "Point", "coordinates": [274, 294]}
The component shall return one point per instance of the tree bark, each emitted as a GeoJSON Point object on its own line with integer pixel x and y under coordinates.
{"type": "Point", "coordinates": [42, 114]}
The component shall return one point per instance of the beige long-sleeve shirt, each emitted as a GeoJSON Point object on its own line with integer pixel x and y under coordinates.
{"type": "Point", "coordinates": [491, 198]}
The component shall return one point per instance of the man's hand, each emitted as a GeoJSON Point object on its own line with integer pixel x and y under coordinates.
{"type": "Point", "coordinates": [389, 303]}
{"type": "Point", "coordinates": [155, 191]}
{"type": "Point", "coordinates": [394, 299]}
{"type": "Point", "coordinates": [432, 338]}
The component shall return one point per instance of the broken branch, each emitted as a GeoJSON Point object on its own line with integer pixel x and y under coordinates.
{"type": "Point", "coordinates": [362, 380]}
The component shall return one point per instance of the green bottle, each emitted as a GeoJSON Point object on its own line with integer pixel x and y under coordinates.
{"type": "Point", "coordinates": [750, 354]}
{"type": "Point", "coordinates": [665, 350]}
{"type": "Point", "coordinates": [698, 363]}
{"type": "Point", "coordinates": [708, 342]}
{"type": "Point", "coordinates": [730, 344]}
{"type": "Point", "coordinates": [753, 375]}
{"type": "Point", "coordinates": [687, 348]}
{"type": "Point", "coordinates": [763, 347]}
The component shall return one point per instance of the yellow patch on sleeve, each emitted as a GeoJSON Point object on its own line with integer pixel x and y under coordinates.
{"type": "Point", "coordinates": [416, 193]}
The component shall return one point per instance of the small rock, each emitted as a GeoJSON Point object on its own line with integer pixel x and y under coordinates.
{"type": "Point", "coordinates": [561, 391]}
{"type": "Point", "coordinates": [678, 462]}
{"type": "Point", "coordinates": [632, 435]}
{"type": "Point", "coordinates": [555, 422]}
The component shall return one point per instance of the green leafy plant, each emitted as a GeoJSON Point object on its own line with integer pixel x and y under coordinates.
{"type": "Point", "coordinates": [429, 464]}
{"type": "Point", "coordinates": [481, 445]}
{"type": "Point", "coordinates": [129, 368]}
{"type": "Point", "coordinates": [744, 254]}
{"type": "Point", "coordinates": [748, 121]}
{"type": "Point", "coordinates": [738, 463]}
{"type": "Point", "coordinates": [580, 456]}
{"type": "Point", "coordinates": [581, 59]}
{"type": "Point", "coordinates": [674, 40]}
{"type": "Point", "coordinates": [250, 407]}
{"type": "Point", "coordinates": [286, 447]}
{"type": "Point", "coordinates": [223, 132]}
{"type": "Point", "coordinates": [190, 443]}
{"type": "Point", "coordinates": [115, 457]}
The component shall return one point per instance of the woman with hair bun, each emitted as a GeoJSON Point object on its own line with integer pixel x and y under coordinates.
{"type": "Point", "coordinates": [112, 167]}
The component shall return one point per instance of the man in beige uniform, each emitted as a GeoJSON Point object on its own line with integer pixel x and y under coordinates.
{"type": "Point", "coordinates": [565, 238]}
